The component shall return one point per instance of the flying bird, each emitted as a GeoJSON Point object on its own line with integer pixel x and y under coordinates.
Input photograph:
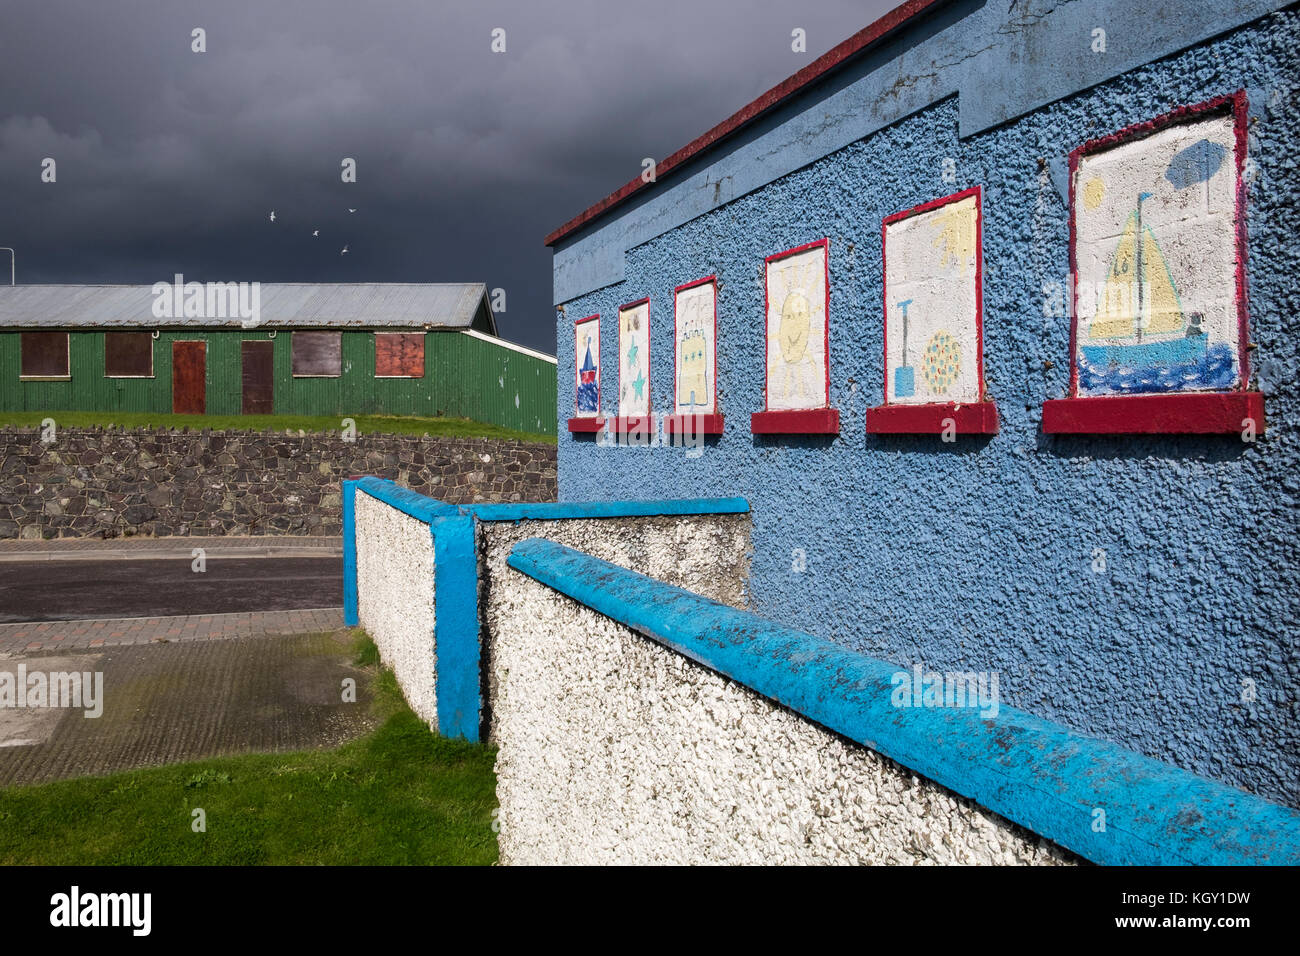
{"type": "Point", "coordinates": [315, 232]}
{"type": "Point", "coordinates": [272, 215]}
{"type": "Point", "coordinates": [351, 210]}
{"type": "Point", "coordinates": [344, 252]}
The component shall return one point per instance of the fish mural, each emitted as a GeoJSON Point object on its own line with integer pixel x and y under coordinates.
{"type": "Point", "coordinates": [634, 359]}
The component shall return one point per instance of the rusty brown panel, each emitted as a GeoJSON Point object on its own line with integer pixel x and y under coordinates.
{"type": "Point", "coordinates": [317, 353]}
{"type": "Point", "coordinates": [44, 354]}
{"type": "Point", "coordinates": [399, 354]}
{"type": "Point", "coordinates": [258, 376]}
{"type": "Point", "coordinates": [189, 378]}
{"type": "Point", "coordinates": [128, 353]}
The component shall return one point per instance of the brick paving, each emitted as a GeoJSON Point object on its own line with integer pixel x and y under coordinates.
{"type": "Point", "coordinates": [19, 639]}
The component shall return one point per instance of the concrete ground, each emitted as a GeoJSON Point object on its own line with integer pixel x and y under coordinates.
{"type": "Point", "coordinates": [165, 703]}
{"type": "Point", "coordinates": [117, 632]}
{"type": "Point", "coordinates": [262, 668]}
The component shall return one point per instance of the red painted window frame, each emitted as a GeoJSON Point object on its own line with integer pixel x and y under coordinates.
{"type": "Point", "coordinates": [822, 420]}
{"type": "Point", "coordinates": [636, 423]}
{"type": "Point", "coordinates": [969, 418]}
{"type": "Point", "coordinates": [1174, 413]}
{"type": "Point", "coordinates": [712, 423]}
{"type": "Point", "coordinates": [586, 423]}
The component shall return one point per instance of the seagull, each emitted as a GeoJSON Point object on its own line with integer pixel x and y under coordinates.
{"type": "Point", "coordinates": [273, 215]}
{"type": "Point", "coordinates": [351, 210]}
{"type": "Point", "coordinates": [315, 232]}
{"type": "Point", "coordinates": [344, 252]}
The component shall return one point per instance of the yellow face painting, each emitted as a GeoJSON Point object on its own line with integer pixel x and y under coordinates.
{"type": "Point", "coordinates": [796, 330]}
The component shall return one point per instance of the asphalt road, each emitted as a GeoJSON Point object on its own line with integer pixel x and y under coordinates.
{"type": "Point", "coordinates": [79, 590]}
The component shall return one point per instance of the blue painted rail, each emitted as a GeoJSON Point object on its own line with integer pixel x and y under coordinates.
{"type": "Point", "coordinates": [1031, 771]}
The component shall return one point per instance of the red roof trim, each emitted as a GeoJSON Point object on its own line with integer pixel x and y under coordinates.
{"type": "Point", "coordinates": [814, 71]}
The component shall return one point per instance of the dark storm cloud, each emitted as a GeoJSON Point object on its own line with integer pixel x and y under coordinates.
{"type": "Point", "coordinates": [170, 161]}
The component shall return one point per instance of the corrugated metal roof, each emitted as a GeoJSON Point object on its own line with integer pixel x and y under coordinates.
{"type": "Point", "coordinates": [450, 305]}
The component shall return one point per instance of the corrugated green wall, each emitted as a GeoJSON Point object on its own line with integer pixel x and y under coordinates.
{"type": "Point", "coordinates": [464, 377]}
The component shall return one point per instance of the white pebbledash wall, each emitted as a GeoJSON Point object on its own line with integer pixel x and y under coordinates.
{"type": "Point", "coordinates": [613, 749]}
{"type": "Point", "coordinates": [395, 598]}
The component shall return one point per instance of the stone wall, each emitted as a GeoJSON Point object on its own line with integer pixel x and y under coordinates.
{"type": "Point", "coordinates": [113, 482]}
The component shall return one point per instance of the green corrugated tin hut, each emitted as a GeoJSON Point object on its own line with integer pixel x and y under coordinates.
{"type": "Point", "coordinates": [295, 349]}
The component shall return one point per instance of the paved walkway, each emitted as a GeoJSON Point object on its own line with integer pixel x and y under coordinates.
{"type": "Point", "coordinates": [185, 701]}
{"type": "Point", "coordinates": [140, 548]}
{"type": "Point", "coordinates": [116, 632]}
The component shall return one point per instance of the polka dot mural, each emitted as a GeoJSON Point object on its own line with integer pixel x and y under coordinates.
{"type": "Point", "coordinates": [942, 362]}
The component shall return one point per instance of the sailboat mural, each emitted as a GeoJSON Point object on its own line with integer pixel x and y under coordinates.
{"type": "Point", "coordinates": [1156, 225]}
{"type": "Point", "coordinates": [587, 351]}
{"type": "Point", "coordinates": [1139, 312]}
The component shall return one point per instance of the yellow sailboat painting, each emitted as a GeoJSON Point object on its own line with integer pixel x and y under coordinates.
{"type": "Point", "coordinates": [1139, 316]}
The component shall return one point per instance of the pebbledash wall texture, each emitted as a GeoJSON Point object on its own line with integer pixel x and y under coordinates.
{"type": "Point", "coordinates": [1138, 588]}
{"type": "Point", "coordinates": [112, 482]}
{"type": "Point", "coordinates": [613, 748]}
{"type": "Point", "coordinates": [394, 555]}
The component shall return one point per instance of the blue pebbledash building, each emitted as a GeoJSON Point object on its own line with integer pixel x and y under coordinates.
{"type": "Point", "coordinates": [990, 313]}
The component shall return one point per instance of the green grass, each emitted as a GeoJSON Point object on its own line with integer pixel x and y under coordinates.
{"type": "Point", "coordinates": [400, 795]}
{"type": "Point", "coordinates": [375, 424]}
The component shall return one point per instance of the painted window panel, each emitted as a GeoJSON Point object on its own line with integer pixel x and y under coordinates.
{"type": "Point", "coordinates": [399, 355]}
{"type": "Point", "coordinates": [586, 379]}
{"type": "Point", "coordinates": [318, 354]}
{"type": "Point", "coordinates": [798, 300]}
{"type": "Point", "coordinates": [43, 355]}
{"type": "Point", "coordinates": [1156, 251]}
{"type": "Point", "coordinates": [634, 359]}
{"type": "Point", "coordinates": [695, 312]}
{"type": "Point", "coordinates": [128, 355]}
{"type": "Point", "coordinates": [933, 349]}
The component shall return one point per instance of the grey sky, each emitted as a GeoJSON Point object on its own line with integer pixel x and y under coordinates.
{"type": "Point", "coordinates": [170, 161]}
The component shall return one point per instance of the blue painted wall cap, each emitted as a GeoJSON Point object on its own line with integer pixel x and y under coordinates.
{"type": "Point", "coordinates": [1030, 770]}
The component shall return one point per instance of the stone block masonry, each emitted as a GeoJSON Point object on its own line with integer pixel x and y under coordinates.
{"type": "Point", "coordinates": [108, 483]}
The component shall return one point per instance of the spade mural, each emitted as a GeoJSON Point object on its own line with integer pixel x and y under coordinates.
{"type": "Point", "coordinates": [932, 301]}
